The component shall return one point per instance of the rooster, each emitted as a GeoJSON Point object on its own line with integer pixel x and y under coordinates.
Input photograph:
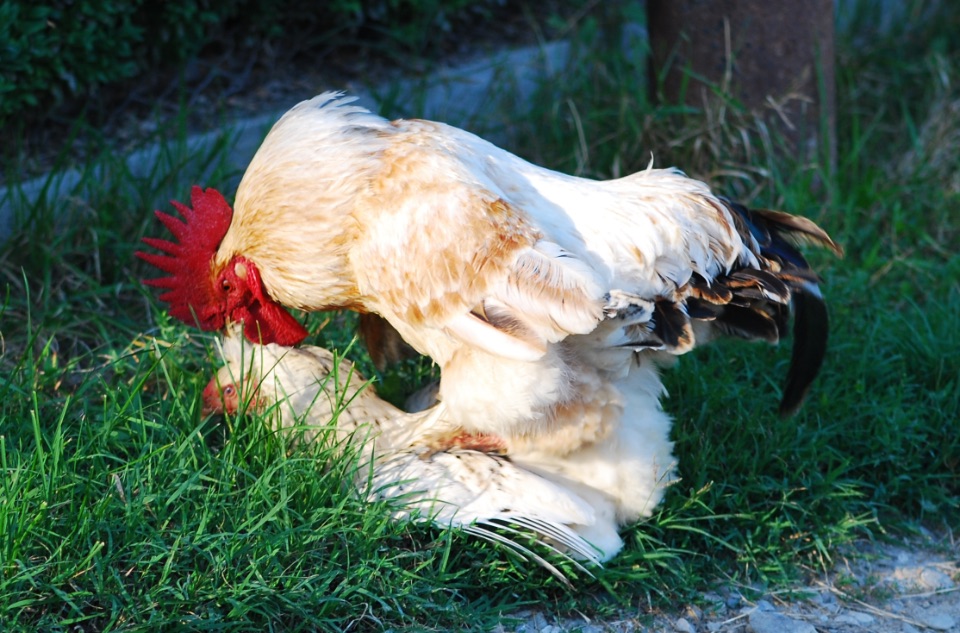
{"type": "Point", "coordinates": [309, 390]}
{"type": "Point", "coordinates": [550, 302]}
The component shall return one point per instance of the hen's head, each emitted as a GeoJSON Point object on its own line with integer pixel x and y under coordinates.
{"type": "Point", "coordinates": [221, 398]}
{"type": "Point", "coordinates": [210, 296]}
{"type": "Point", "coordinates": [230, 393]}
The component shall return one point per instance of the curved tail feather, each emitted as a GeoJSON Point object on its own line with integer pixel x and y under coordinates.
{"type": "Point", "coordinates": [811, 329]}
{"type": "Point", "coordinates": [759, 305]}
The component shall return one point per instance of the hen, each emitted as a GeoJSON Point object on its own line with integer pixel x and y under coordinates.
{"type": "Point", "coordinates": [311, 393]}
{"type": "Point", "coordinates": [550, 302]}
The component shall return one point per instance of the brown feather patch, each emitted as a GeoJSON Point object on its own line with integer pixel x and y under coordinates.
{"type": "Point", "coordinates": [800, 230]}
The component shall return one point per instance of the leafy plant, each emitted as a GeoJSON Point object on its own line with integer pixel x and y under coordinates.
{"type": "Point", "coordinates": [69, 49]}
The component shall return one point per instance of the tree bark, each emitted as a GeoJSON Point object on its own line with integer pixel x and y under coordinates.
{"type": "Point", "coordinates": [774, 56]}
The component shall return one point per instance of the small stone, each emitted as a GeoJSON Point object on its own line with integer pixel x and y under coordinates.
{"type": "Point", "coordinates": [855, 618]}
{"type": "Point", "coordinates": [713, 627]}
{"type": "Point", "coordinates": [551, 628]}
{"type": "Point", "coordinates": [712, 597]}
{"type": "Point", "coordinates": [863, 618]}
{"type": "Point", "coordinates": [909, 628]}
{"type": "Point", "coordinates": [832, 608]}
{"type": "Point", "coordinates": [766, 622]}
{"type": "Point", "coordinates": [536, 624]}
{"type": "Point", "coordinates": [921, 579]}
{"type": "Point", "coordinates": [683, 626]}
{"type": "Point", "coordinates": [932, 579]}
{"type": "Point", "coordinates": [693, 613]}
{"type": "Point", "coordinates": [764, 605]}
{"type": "Point", "coordinates": [939, 621]}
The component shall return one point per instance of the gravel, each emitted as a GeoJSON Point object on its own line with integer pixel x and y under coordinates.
{"type": "Point", "coordinates": [906, 587]}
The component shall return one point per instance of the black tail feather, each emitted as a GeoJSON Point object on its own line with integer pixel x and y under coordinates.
{"type": "Point", "coordinates": [810, 332]}
{"type": "Point", "coordinates": [757, 308]}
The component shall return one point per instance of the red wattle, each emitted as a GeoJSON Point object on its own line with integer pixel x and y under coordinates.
{"type": "Point", "coordinates": [270, 323]}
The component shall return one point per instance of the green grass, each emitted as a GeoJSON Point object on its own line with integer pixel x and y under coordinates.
{"type": "Point", "coordinates": [122, 509]}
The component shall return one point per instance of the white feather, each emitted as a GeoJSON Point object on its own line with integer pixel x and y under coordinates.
{"type": "Point", "coordinates": [460, 488]}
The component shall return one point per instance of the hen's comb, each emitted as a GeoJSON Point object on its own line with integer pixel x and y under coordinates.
{"type": "Point", "coordinates": [190, 287]}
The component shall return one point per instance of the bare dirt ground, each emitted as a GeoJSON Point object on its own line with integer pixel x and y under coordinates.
{"type": "Point", "coordinates": [907, 586]}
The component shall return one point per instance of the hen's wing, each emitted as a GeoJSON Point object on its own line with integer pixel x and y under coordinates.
{"type": "Point", "coordinates": [444, 249]}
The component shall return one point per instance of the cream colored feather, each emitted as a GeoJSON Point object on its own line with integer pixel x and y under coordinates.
{"type": "Point", "coordinates": [486, 494]}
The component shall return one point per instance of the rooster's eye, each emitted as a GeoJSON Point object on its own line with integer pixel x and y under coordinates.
{"type": "Point", "coordinates": [229, 390]}
{"type": "Point", "coordinates": [225, 285]}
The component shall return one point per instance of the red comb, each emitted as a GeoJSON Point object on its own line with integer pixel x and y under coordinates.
{"type": "Point", "coordinates": [190, 287]}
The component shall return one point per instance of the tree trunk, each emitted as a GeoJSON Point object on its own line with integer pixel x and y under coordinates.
{"type": "Point", "coordinates": [774, 56]}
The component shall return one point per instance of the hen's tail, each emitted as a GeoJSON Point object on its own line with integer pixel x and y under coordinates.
{"type": "Point", "coordinates": [810, 330]}
{"type": "Point", "coordinates": [754, 303]}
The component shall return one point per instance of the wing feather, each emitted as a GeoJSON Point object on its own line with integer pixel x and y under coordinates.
{"type": "Point", "coordinates": [461, 259]}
